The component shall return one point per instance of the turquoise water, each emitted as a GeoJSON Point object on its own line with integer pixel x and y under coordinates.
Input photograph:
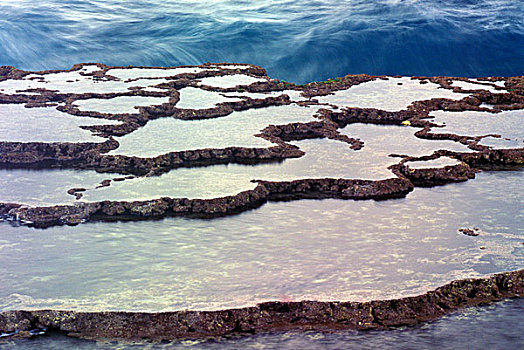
{"type": "Point", "coordinates": [299, 40]}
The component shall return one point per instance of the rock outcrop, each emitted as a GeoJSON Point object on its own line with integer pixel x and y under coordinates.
{"type": "Point", "coordinates": [271, 316]}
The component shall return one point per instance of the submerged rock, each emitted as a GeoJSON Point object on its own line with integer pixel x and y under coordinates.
{"type": "Point", "coordinates": [470, 232]}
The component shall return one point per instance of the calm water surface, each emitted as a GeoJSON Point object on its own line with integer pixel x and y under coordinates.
{"type": "Point", "coordinates": [313, 250]}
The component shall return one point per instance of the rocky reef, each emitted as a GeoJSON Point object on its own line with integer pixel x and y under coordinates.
{"type": "Point", "coordinates": [194, 94]}
{"type": "Point", "coordinates": [489, 96]}
{"type": "Point", "coordinates": [270, 316]}
{"type": "Point", "coordinates": [265, 191]}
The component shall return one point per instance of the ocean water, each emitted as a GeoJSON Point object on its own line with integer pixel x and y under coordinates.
{"type": "Point", "coordinates": [299, 40]}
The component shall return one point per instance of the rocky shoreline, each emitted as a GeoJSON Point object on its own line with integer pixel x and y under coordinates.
{"type": "Point", "coordinates": [269, 316]}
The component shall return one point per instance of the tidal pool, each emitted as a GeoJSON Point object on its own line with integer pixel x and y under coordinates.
{"type": "Point", "coordinates": [165, 135]}
{"type": "Point", "coordinates": [229, 81]}
{"type": "Point", "coordinates": [20, 124]}
{"type": "Point", "coordinates": [394, 94]}
{"type": "Point", "coordinates": [297, 250]}
{"type": "Point", "coordinates": [294, 95]}
{"type": "Point", "coordinates": [73, 82]}
{"type": "Point", "coordinates": [323, 158]}
{"type": "Point", "coordinates": [501, 142]}
{"type": "Point", "coordinates": [434, 163]}
{"type": "Point", "coordinates": [195, 98]}
{"type": "Point", "coordinates": [472, 123]}
{"type": "Point", "coordinates": [473, 86]}
{"type": "Point", "coordinates": [120, 104]}
{"type": "Point", "coordinates": [136, 73]}
{"type": "Point", "coordinates": [45, 187]}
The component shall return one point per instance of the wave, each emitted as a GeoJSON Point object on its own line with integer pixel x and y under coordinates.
{"type": "Point", "coordinates": [298, 41]}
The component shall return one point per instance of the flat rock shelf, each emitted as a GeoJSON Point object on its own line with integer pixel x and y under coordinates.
{"type": "Point", "coordinates": [253, 200]}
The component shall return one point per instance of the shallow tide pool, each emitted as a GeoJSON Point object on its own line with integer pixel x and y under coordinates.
{"type": "Point", "coordinates": [308, 249]}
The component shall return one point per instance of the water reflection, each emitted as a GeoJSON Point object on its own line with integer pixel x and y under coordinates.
{"type": "Point", "coordinates": [119, 105]}
{"type": "Point", "coordinates": [45, 187]}
{"type": "Point", "coordinates": [165, 135]}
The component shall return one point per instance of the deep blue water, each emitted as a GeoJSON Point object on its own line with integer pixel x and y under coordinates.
{"type": "Point", "coordinates": [295, 40]}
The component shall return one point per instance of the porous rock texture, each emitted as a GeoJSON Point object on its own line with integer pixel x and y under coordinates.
{"type": "Point", "coordinates": [272, 316]}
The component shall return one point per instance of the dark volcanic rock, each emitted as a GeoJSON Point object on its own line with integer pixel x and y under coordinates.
{"type": "Point", "coordinates": [33, 153]}
{"type": "Point", "coordinates": [272, 316]}
{"type": "Point", "coordinates": [264, 191]}
{"type": "Point", "coordinates": [469, 232]}
{"type": "Point", "coordinates": [438, 176]}
{"type": "Point", "coordinates": [338, 188]}
{"type": "Point", "coordinates": [9, 72]}
{"type": "Point", "coordinates": [494, 159]}
{"type": "Point", "coordinates": [322, 88]}
{"type": "Point", "coordinates": [93, 155]}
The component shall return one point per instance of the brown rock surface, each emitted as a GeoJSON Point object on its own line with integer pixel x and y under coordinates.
{"type": "Point", "coordinates": [272, 316]}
